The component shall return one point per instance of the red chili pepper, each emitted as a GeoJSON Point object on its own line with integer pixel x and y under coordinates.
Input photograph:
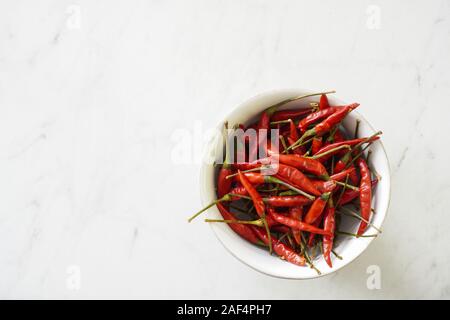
{"type": "Point", "coordinates": [263, 124]}
{"type": "Point", "coordinates": [323, 103]}
{"type": "Point", "coordinates": [287, 201]}
{"type": "Point", "coordinates": [296, 213]}
{"type": "Point", "coordinates": [317, 208]}
{"type": "Point", "coordinates": [309, 165]}
{"type": "Point", "coordinates": [312, 236]}
{"type": "Point", "coordinates": [299, 150]}
{"type": "Point", "coordinates": [316, 145]}
{"type": "Point", "coordinates": [280, 228]}
{"type": "Point", "coordinates": [324, 186]}
{"type": "Point", "coordinates": [258, 178]}
{"type": "Point", "coordinates": [329, 223]}
{"type": "Point", "coordinates": [365, 194]}
{"type": "Point", "coordinates": [353, 176]}
{"type": "Point", "coordinates": [239, 190]}
{"type": "Point", "coordinates": [280, 248]}
{"type": "Point", "coordinates": [254, 178]}
{"type": "Point", "coordinates": [331, 121]}
{"type": "Point", "coordinates": [338, 136]}
{"type": "Point", "coordinates": [293, 176]}
{"type": "Point", "coordinates": [343, 162]}
{"type": "Point", "coordinates": [295, 224]}
{"type": "Point", "coordinates": [224, 184]}
{"type": "Point", "coordinates": [337, 144]}
{"type": "Point", "coordinates": [293, 134]}
{"type": "Point", "coordinates": [274, 201]}
{"type": "Point", "coordinates": [315, 117]}
{"type": "Point", "coordinates": [290, 114]}
{"type": "Point", "coordinates": [245, 231]}
{"type": "Point", "coordinates": [350, 195]}
{"type": "Point", "coordinates": [256, 198]}
{"type": "Point", "coordinates": [342, 175]}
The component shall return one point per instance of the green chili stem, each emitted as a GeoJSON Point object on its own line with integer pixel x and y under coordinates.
{"type": "Point", "coordinates": [307, 134]}
{"type": "Point", "coordinates": [258, 223]}
{"type": "Point", "coordinates": [288, 193]}
{"type": "Point", "coordinates": [355, 135]}
{"type": "Point", "coordinates": [266, 226]}
{"type": "Point", "coordinates": [336, 255]}
{"type": "Point", "coordinates": [276, 180]}
{"type": "Point", "coordinates": [226, 197]}
{"type": "Point", "coordinates": [283, 142]}
{"type": "Point", "coordinates": [357, 156]}
{"type": "Point", "coordinates": [240, 196]}
{"type": "Point", "coordinates": [317, 156]}
{"type": "Point", "coordinates": [332, 133]}
{"type": "Point", "coordinates": [281, 122]}
{"type": "Point", "coordinates": [346, 185]}
{"type": "Point", "coordinates": [245, 171]}
{"type": "Point", "coordinates": [293, 146]}
{"type": "Point", "coordinates": [307, 256]}
{"type": "Point", "coordinates": [369, 153]}
{"type": "Point", "coordinates": [350, 213]}
{"type": "Point", "coordinates": [355, 235]}
{"type": "Point", "coordinates": [342, 191]}
{"type": "Point", "coordinates": [299, 97]}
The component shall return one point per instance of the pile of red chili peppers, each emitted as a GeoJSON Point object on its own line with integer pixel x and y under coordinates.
{"type": "Point", "coordinates": [292, 199]}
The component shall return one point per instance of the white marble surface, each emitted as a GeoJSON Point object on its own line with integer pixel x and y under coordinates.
{"type": "Point", "coordinates": [91, 94]}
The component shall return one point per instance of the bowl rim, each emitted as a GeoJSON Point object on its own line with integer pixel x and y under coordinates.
{"type": "Point", "coordinates": [203, 196]}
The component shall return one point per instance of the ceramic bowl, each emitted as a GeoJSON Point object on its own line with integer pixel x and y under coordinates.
{"type": "Point", "coordinates": [347, 247]}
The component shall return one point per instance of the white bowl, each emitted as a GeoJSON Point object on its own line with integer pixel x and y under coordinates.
{"type": "Point", "coordinates": [347, 247]}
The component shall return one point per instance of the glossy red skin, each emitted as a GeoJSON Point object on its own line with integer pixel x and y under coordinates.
{"type": "Point", "coordinates": [275, 201]}
{"type": "Point", "coordinates": [315, 117]}
{"type": "Point", "coordinates": [280, 248]}
{"type": "Point", "coordinates": [293, 134]}
{"type": "Point", "coordinates": [296, 213]}
{"type": "Point", "coordinates": [287, 201]}
{"type": "Point", "coordinates": [263, 124]}
{"type": "Point", "coordinates": [254, 178]}
{"type": "Point", "coordinates": [347, 197]}
{"type": "Point", "coordinates": [309, 165]}
{"type": "Point", "coordinates": [350, 195]}
{"type": "Point", "coordinates": [256, 197]}
{"type": "Point", "coordinates": [295, 177]}
{"type": "Point", "coordinates": [342, 175]}
{"type": "Point", "coordinates": [299, 151]}
{"type": "Point", "coordinates": [316, 145]}
{"type": "Point", "coordinates": [324, 186]}
{"type": "Point", "coordinates": [223, 184]}
{"type": "Point", "coordinates": [315, 211]}
{"type": "Point", "coordinates": [329, 224]}
{"type": "Point", "coordinates": [295, 224]}
{"type": "Point", "coordinates": [323, 102]}
{"type": "Point", "coordinates": [334, 119]}
{"type": "Point", "coordinates": [365, 194]}
{"type": "Point", "coordinates": [245, 231]}
{"type": "Point", "coordinates": [240, 190]}
{"type": "Point", "coordinates": [340, 165]}
{"type": "Point", "coordinates": [290, 114]}
{"type": "Point", "coordinates": [338, 136]}
{"type": "Point", "coordinates": [353, 177]}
